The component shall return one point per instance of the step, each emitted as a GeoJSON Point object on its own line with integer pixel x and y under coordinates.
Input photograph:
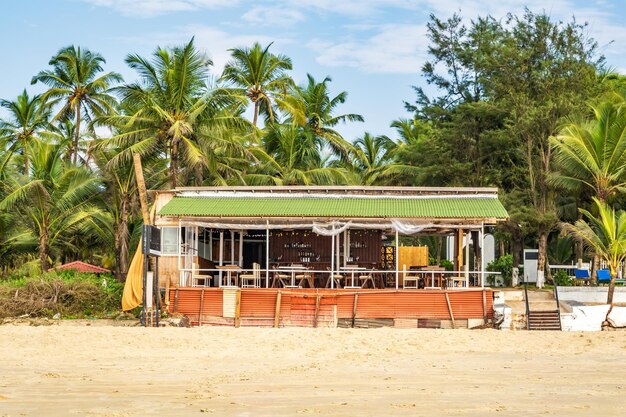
{"type": "Point", "coordinates": [540, 295]}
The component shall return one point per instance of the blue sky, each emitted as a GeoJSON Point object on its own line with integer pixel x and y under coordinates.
{"type": "Point", "coordinates": [372, 49]}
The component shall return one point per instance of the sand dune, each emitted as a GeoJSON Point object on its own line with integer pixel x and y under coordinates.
{"type": "Point", "coordinates": [128, 371]}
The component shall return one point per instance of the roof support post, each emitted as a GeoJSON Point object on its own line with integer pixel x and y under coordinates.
{"type": "Point", "coordinates": [241, 249]}
{"type": "Point", "coordinates": [182, 273]}
{"type": "Point", "coordinates": [267, 254]}
{"type": "Point", "coordinates": [332, 258]}
{"type": "Point", "coordinates": [467, 254]}
{"type": "Point", "coordinates": [221, 260]}
{"type": "Point", "coordinates": [397, 260]}
{"type": "Point", "coordinates": [232, 247]}
{"type": "Point", "coordinates": [482, 254]}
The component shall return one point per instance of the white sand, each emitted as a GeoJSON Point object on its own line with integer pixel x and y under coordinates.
{"type": "Point", "coordinates": [128, 371]}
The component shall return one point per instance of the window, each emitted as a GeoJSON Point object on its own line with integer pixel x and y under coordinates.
{"type": "Point", "coordinates": [169, 241]}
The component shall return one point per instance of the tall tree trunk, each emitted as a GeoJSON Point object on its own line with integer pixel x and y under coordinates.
{"type": "Point", "coordinates": [174, 164]}
{"type": "Point", "coordinates": [541, 261]}
{"type": "Point", "coordinates": [43, 250]}
{"type": "Point", "coordinates": [76, 135]}
{"type": "Point", "coordinates": [439, 242]}
{"type": "Point", "coordinates": [256, 113]}
{"type": "Point", "coordinates": [121, 242]}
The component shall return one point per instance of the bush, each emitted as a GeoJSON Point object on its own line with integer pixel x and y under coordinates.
{"type": "Point", "coordinates": [68, 293]}
{"type": "Point", "coordinates": [503, 265]}
{"type": "Point", "coordinates": [447, 264]}
{"type": "Point", "coordinates": [561, 278]}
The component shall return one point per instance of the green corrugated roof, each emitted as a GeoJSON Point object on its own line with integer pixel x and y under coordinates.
{"type": "Point", "coordinates": [451, 207]}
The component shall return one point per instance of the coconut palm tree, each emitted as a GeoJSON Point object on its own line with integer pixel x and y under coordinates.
{"type": "Point", "coordinates": [172, 110]}
{"type": "Point", "coordinates": [259, 75]}
{"type": "Point", "coordinates": [55, 203]}
{"type": "Point", "coordinates": [290, 156]}
{"type": "Point", "coordinates": [77, 82]}
{"type": "Point", "coordinates": [606, 235]}
{"type": "Point", "coordinates": [28, 120]}
{"type": "Point", "coordinates": [592, 153]}
{"type": "Point", "coordinates": [312, 107]}
{"type": "Point", "coordinates": [372, 162]}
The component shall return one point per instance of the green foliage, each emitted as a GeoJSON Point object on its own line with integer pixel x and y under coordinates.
{"type": "Point", "coordinates": [446, 264]}
{"type": "Point", "coordinates": [561, 278]}
{"type": "Point", "coordinates": [68, 293]}
{"type": "Point", "coordinates": [504, 265]}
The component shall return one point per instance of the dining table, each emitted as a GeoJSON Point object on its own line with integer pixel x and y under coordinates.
{"type": "Point", "coordinates": [293, 269]}
{"type": "Point", "coordinates": [229, 269]}
{"type": "Point", "coordinates": [352, 269]}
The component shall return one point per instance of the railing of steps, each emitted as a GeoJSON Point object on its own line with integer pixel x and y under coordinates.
{"type": "Point", "coordinates": [558, 305]}
{"type": "Point", "coordinates": [527, 306]}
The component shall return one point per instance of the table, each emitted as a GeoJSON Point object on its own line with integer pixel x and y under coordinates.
{"type": "Point", "coordinates": [457, 282]}
{"type": "Point", "coordinates": [229, 271]}
{"type": "Point", "coordinates": [352, 270]}
{"type": "Point", "coordinates": [293, 269]}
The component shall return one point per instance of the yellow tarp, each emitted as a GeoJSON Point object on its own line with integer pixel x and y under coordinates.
{"type": "Point", "coordinates": [133, 288]}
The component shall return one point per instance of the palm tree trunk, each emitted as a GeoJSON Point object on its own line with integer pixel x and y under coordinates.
{"type": "Point", "coordinates": [121, 243]}
{"type": "Point", "coordinates": [43, 250]}
{"type": "Point", "coordinates": [76, 135]}
{"type": "Point", "coordinates": [173, 163]}
{"type": "Point", "coordinates": [256, 113]}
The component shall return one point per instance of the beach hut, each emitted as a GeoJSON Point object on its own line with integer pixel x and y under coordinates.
{"type": "Point", "coordinates": [324, 255]}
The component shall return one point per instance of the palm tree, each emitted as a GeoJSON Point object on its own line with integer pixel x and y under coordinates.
{"type": "Point", "coordinates": [605, 234]}
{"type": "Point", "coordinates": [55, 203]}
{"type": "Point", "coordinates": [29, 118]}
{"type": "Point", "coordinates": [290, 156]}
{"type": "Point", "coordinates": [172, 110]}
{"type": "Point", "coordinates": [592, 154]}
{"type": "Point", "coordinates": [312, 107]}
{"type": "Point", "coordinates": [76, 80]}
{"type": "Point", "coordinates": [258, 75]}
{"type": "Point", "coordinates": [373, 164]}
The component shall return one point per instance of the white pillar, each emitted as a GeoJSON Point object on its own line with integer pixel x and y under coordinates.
{"type": "Point", "coordinates": [221, 260]}
{"type": "Point", "coordinates": [482, 255]}
{"type": "Point", "coordinates": [182, 274]}
{"type": "Point", "coordinates": [397, 260]}
{"type": "Point", "coordinates": [346, 249]}
{"type": "Point", "coordinates": [467, 245]}
{"type": "Point", "coordinates": [332, 258]}
{"type": "Point", "coordinates": [211, 244]}
{"type": "Point", "coordinates": [267, 254]}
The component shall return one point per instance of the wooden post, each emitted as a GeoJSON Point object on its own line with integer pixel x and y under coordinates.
{"type": "Point", "coordinates": [356, 300]}
{"type": "Point", "coordinates": [484, 306]}
{"type": "Point", "coordinates": [176, 300]}
{"type": "Point", "coordinates": [317, 308]}
{"type": "Point", "coordinates": [449, 309]}
{"type": "Point", "coordinates": [237, 308]}
{"type": "Point", "coordinates": [201, 307]}
{"type": "Point", "coordinates": [277, 312]}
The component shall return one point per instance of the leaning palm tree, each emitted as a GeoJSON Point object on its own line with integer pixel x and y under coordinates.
{"type": "Point", "coordinates": [606, 235]}
{"type": "Point", "coordinates": [171, 110]}
{"type": "Point", "coordinates": [28, 121]}
{"type": "Point", "coordinates": [55, 203]}
{"type": "Point", "coordinates": [76, 80]}
{"type": "Point", "coordinates": [258, 75]}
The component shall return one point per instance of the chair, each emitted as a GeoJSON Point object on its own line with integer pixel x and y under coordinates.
{"type": "Point", "coordinates": [581, 276]}
{"type": "Point", "coordinates": [336, 277]}
{"type": "Point", "coordinates": [252, 280]}
{"type": "Point", "coordinates": [364, 278]}
{"type": "Point", "coordinates": [407, 279]}
{"type": "Point", "coordinates": [279, 279]}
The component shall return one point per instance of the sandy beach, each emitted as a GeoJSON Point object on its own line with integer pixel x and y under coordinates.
{"type": "Point", "coordinates": [65, 370]}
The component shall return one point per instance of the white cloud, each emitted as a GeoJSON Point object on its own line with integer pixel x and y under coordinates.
{"type": "Point", "coordinates": [273, 16]}
{"type": "Point", "coordinates": [150, 8]}
{"type": "Point", "coordinates": [393, 49]}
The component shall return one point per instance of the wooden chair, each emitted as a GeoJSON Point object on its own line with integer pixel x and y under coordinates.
{"type": "Point", "coordinates": [279, 279]}
{"type": "Point", "coordinates": [336, 277]}
{"type": "Point", "coordinates": [252, 280]}
{"type": "Point", "coordinates": [408, 279]}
